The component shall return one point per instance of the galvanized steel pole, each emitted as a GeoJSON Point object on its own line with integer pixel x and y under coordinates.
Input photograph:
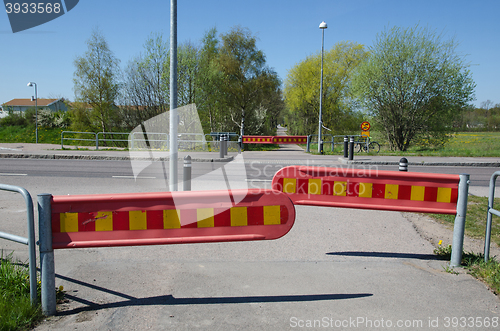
{"type": "Point", "coordinates": [459, 227]}
{"type": "Point", "coordinates": [48, 278]}
{"type": "Point", "coordinates": [489, 212]}
{"type": "Point", "coordinates": [322, 26]}
{"type": "Point", "coordinates": [174, 117]}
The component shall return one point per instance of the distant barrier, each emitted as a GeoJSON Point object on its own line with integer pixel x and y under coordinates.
{"type": "Point", "coordinates": [274, 140]}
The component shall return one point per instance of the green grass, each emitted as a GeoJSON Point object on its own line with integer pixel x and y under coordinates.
{"type": "Point", "coordinates": [465, 144]}
{"type": "Point", "coordinates": [475, 224]}
{"type": "Point", "coordinates": [19, 134]}
{"type": "Point", "coordinates": [488, 272]}
{"type": "Point", "coordinates": [16, 311]}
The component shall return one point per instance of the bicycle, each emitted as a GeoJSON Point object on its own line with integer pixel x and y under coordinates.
{"type": "Point", "coordinates": [367, 146]}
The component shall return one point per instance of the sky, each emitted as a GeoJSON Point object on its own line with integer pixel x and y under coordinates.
{"type": "Point", "coordinates": [287, 31]}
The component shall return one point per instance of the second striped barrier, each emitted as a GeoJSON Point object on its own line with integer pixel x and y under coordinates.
{"type": "Point", "coordinates": [369, 189]}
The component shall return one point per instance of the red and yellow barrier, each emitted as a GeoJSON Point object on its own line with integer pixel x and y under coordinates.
{"type": "Point", "coordinates": [369, 189]}
{"type": "Point", "coordinates": [169, 218]}
{"type": "Point", "coordinates": [275, 140]}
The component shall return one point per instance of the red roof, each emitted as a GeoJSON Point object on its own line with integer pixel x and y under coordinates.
{"type": "Point", "coordinates": [29, 103]}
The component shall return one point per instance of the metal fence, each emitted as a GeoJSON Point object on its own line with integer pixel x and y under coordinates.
{"type": "Point", "coordinates": [30, 241]}
{"type": "Point", "coordinates": [137, 140]}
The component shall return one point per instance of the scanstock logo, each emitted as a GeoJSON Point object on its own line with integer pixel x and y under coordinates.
{"type": "Point", "coordinates": [27, 14]}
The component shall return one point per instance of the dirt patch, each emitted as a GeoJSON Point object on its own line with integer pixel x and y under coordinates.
{"type": "Point", "coordinates": [435, 231]}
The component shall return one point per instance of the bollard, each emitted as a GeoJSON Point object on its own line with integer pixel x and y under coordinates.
{"type": "Point", "coordinates": [47, 268]}
{"type": "Point", "coordinates": [321, 147]}
{"type": "Point", "coordinates": [221, 146]}
{"type": "Point", "coordinates": [308, 144]}
{"type": "Point", "coordinates": [346, 146]}
{"type": "Point", "coordinates": [186, 174]}
{"type": "Point", "coordinates": [351, 148]}
{"type": "Point", "coordinates": [240, 144]}
{"type": "Point", "coordinates": [403, 164]}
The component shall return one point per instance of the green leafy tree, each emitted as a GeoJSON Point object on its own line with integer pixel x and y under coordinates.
{"type": "Point", "coordinates": [146, 87]}
{"type": "Point", "coordinates": [96, 82]}
{"type": "Point", "coordinates": [302, 89]}
{"type": "Point", "coordinates": [414, 83]}
{"type": "Point", "coordinates": [248, 81]}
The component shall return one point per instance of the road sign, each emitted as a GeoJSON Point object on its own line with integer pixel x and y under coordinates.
{"type": "Point", "coordinates": [365, 126]}
{"type": "Point", "coordinates": [365, 134]}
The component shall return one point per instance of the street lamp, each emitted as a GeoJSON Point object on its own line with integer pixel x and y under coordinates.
{"type": "Point", "coordinates": [322, 26]}
{"type": "Point", "coordinates": [30, 84]}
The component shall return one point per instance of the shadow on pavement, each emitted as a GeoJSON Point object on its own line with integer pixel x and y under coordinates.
{"type": "Point", "coordinates": [388, 255]}
{"type": "Point", "coordinates": [171, 300]}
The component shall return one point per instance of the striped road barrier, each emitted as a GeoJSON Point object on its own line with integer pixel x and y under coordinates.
{"type": "Point", "coordinates": [369, 189]}
{"type": "Point", "coordinates": [380, 190]}
{"type": "Point", "coordinates": [105, 220]}
{"type": "Point", "coordinates": [275, 140]}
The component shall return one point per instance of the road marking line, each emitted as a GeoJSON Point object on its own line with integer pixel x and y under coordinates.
{"type": "Point", "coordinates": [132, 177]}
{"type": "Point", "coordinates": [7, 174]}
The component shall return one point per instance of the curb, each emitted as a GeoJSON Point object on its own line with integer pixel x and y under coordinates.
{"type": "Point", "coordinates": [102, 157]}
{"type": "Point", "coordinates": [423, 163]}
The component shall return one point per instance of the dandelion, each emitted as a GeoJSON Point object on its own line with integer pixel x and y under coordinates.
{"type": "Point", "coordinates": [61, 288]}
{"type": "Point", "coordinates": [440, 242]}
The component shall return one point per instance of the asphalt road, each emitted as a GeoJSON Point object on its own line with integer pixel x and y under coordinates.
{"type": "Point", "coordinates": [480, 176]}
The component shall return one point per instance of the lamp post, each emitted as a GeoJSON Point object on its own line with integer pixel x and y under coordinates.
{"type": "Point", "coordinates": [30, 84]}
{"type": "Point", "coordinates": [322, 26]}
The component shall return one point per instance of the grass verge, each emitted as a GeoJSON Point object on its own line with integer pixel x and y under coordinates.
{"type": "Point", "coordinates": [461, 144]}
{"type": "Point", "coordinates": [488, 272]}
{"type": "Point", "coordinates": [16, 311]}
{"type": "Point", "coordinates": [475, 227]}
{"type": "Point", "coordinates": [475, 224]}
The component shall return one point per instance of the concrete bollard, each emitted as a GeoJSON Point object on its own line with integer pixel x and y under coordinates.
{"type": "Point", "coordinates": [351, 148]}
{"type": "Point", "coordinates": [186, 174]}
{"type": "Point", "coordinates": [403, 164]}
{"type": "Point", "coordinates": [346, 147]}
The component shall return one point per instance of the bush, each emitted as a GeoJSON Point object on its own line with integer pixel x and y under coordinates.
{"type": "Point", "coordinates": [14, 119]}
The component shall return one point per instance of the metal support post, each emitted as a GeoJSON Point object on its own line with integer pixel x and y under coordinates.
{"type": "Point", "coordinates": [186, 174]}
{"type": "Point", "coordinates": [459, 227]}
{"type": "Point", "coordinates": [403, 164]}
{"type": "Point", "coordinates": [351, 148]}
{"type": "Point", "coordinates": [346, 146]}
{"type": "Point", "coordinates": [489, 212]}
{"type": "Point", "coordinates": [48, 278]}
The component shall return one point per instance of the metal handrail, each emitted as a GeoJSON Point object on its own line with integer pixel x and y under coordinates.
{"type": "Point", "coordinates": [79, 139]}
{"type": "Point", "coordinates": [30, 241]}
{"type": "Point", "coordinates": [490, 211]}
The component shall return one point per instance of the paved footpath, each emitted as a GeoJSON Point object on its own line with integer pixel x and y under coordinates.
{"type": "Point", "coordinates": [336, 269]}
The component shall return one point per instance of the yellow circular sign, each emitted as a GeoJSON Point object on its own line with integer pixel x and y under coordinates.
{"type": "Point", "coordinates": [365, 126]}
